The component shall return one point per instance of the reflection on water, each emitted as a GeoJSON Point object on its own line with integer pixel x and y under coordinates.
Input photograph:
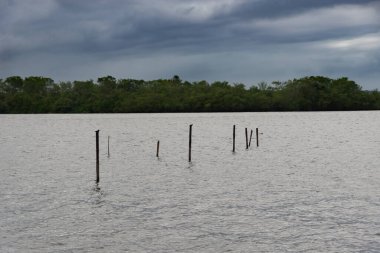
{"type": "Point", "coordinates": [98, 196]}
{"type": "Point", "coordinates": [312, 185]}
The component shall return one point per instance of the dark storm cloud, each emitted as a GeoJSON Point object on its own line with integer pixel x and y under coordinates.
{"type": "Point", "coordinates": [89, 38]}
{"type": "Point", "coordinates": [102, 26]}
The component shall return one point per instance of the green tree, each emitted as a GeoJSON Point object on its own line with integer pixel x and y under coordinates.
{"type": "Point", "coordinates": [41, 95]}
{"type": "Point", "coordinates": [12, 84]}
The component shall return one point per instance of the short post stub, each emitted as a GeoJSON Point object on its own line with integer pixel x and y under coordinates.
{"type": "Point", "coordinates": [233, 139]}
{"type": "Point", "coordinates": [108, 146]}
{"type": "Point", "coordinates": [250, 138]}
{"type": "Point", "coordinates": [190, 136]}
{"type": "Point", "coordinates": [257, 137]}
{"type": "Point", "coordinates": [158, 149]}
{"type": "Point", "coordinates": [246, 138]}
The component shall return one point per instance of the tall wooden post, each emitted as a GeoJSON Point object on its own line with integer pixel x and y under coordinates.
{"type": "Point", "coordinates": [246, 138]}
{"type": "Point", "coordinates": [233, 140]}
{"type": "Point", "coordinates": [158, 149]}
{"type": "Point", "coordinates": [257, 137]}
{"type": "Point", "coordinates": [97, 156]}
{"type": "Point", "coordinates": [190, 135]}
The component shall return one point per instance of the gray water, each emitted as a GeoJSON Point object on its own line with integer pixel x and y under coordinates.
{"type": "Point", "coordinates": [313, 184]}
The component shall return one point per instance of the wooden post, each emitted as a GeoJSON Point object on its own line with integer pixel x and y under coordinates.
{"type": "Point", "coordinates": [158, 149]}
{"type": "Point", "coordinates": [257, 137]}
{"type": "Point", "coordinates": [97, 156]}
{"type": "Point", "coordinates": [108, 146]}
{"type": "Point", "coordinates": [233, 139]}
{"type": "Point", "coordinates": [250, 138]}
{"type": "Point", "coordinates": [190, 135]}
{"type": "Point", "coordinates": [246, 138]}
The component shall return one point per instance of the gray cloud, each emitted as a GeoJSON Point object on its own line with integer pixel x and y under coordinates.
{"type": "Point", "coordinates": [233, 40]}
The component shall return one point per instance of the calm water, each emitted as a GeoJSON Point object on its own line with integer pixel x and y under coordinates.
{"type": "Point", "coordinates": [313, 185]}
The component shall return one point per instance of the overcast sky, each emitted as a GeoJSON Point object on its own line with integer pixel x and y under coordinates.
{"type": "Point", "coordinates": [244, 41]}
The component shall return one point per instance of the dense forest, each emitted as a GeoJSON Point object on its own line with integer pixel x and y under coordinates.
{"type": "Point", "coordinates": [110, 95]}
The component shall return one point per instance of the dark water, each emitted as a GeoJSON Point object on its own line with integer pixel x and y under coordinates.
{"type": "Point", "coordinates": [313, 185]}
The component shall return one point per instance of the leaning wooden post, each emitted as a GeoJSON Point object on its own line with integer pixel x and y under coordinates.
{"type": "Point", "coordinates": [250, 138]}
{"type": "Point", "coordinates": [108, 146]}
{"type": "Point", "coordinates": [97, 156]}
{"type": "Point", "coordinates": [246, 138]}
{"type": "Point", "coordinates": [233, 139]}
{"type": "Point", "coordinates": [257, 137]}
{"type": "Point", "coordinates": [190, 135]}
{"type": "Point", "coordinates": [158, 149]}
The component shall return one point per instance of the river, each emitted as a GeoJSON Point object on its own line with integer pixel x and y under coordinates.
{"type": "Point", "coordinates": [312, 185]}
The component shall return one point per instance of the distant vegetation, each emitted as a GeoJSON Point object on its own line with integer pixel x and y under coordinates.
{"type": "Point", "coordinates": [109, 95]}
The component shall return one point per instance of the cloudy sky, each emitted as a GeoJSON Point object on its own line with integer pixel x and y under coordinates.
{"type": "Point", "coordinates": [244, 41]}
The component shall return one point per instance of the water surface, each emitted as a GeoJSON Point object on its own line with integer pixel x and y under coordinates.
{"type": "Point", "coordinates": [313, 184]}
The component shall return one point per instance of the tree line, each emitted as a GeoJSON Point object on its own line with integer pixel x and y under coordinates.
{"type": "Point", "coordinates": [37, 94]}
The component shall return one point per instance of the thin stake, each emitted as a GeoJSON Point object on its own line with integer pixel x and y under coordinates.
{"type": "Point", "coordinates": [97, 156]}
{"type": "Point", "coordinates": [250, 138]}
{"type": "Point", "coordinates": [190, 135]}
{"type": "Point", "coordinates": [257, 137]}
{"type": "Point", "coordinates": [246, 138]}
{"type": "Point", "coordinates": [108, 146]}
{"type": "Point", "coordinates": [233, 138]}
{"type": "Point", "coordinates": [158, 149]}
